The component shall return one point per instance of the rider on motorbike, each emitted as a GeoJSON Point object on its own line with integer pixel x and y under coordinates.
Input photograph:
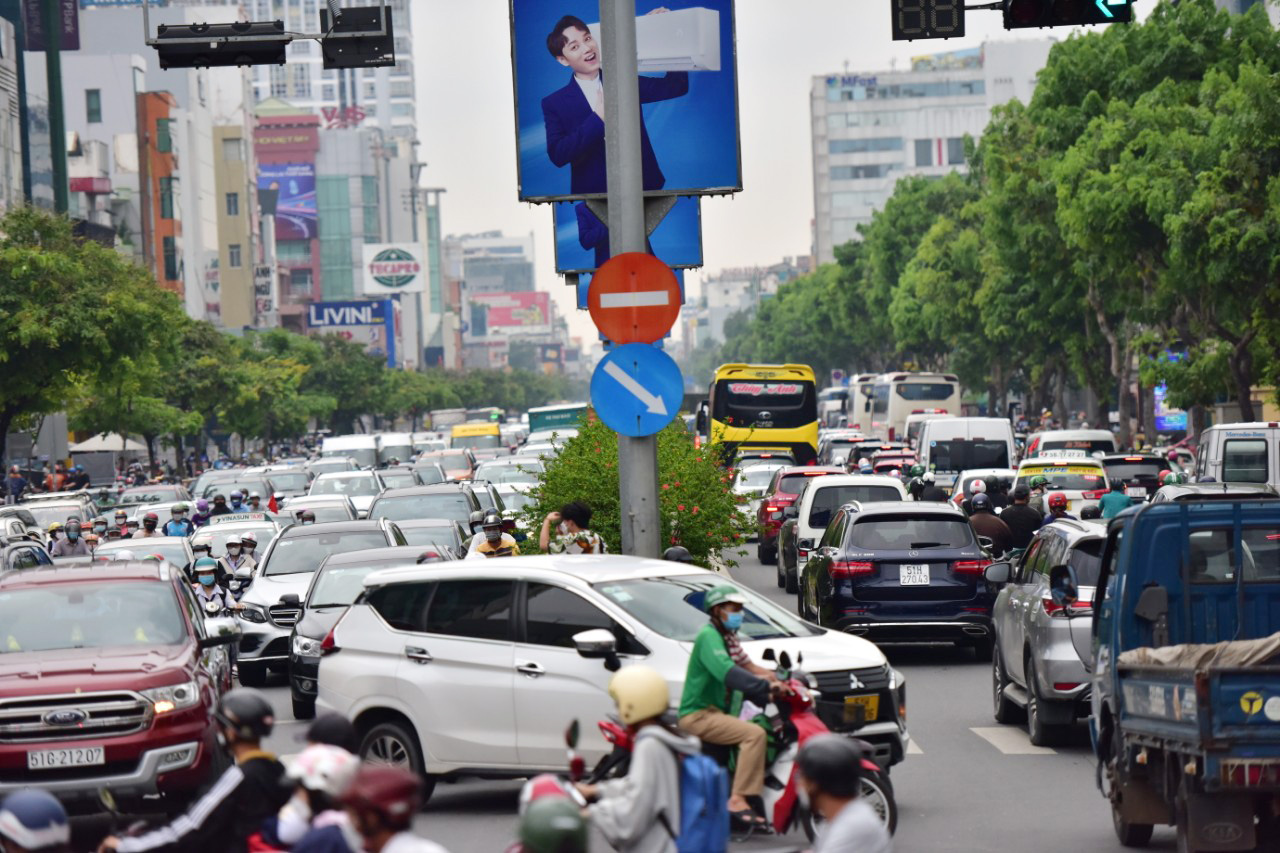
{"type": "Point", "coordinates": [382, 802]}
{"type": "Point", "coordinates": [915, 487]}
{"type": "Point", "coordinates": [150, 522]}
{"type": "Point", "coordinates": [206, 586]}
{"type": "Point", "coordinates": [234, 559]}
{"type": "Point", "coordinates": [313, 820]}
{"type": "Point", "coordinates": [178, 523]}
{"type": "Point", "coordinates": [201, 516]}
{"type": "Point", "coordinates": [33, 820]}
{"type": "Point", "coordinates": [70, 545]}
{"type": "Point", "coordinates": [830, 771]}
{"type": "Point", "coordinates": [491, 541]}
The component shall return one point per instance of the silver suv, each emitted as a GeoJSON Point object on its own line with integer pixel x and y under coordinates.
{"type": "Point", "coordinates": [1038, 668]}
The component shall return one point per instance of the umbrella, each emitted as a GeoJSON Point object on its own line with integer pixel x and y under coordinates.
{"type": "Point", "coordinates": [108, 443]}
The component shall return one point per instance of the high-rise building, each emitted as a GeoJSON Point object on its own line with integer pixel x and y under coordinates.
{"type": "Point", "coordinates": [10, 114]}
{"type": "Point", "coordinates": [494, 263]}
{"type": "Point", "coordinates": [1239, 7]}
{"type": "Point", "coordinates": [872, 128]}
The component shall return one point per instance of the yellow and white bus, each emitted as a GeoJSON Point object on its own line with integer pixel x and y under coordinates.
{"type": "Point", "coordinates": [477, 436]}
{"type": "Point", "coordinates": [766, 408]}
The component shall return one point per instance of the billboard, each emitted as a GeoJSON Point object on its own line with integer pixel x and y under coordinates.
{"type": "Point", "coordinates": [688, 96]}
{"type": "Point", "coordinates": [373, 323]}
{"type": "Point", "coordinates": [391, 268]}
{"type": "Point", "coordinates": [508, 314]}
{"type": "Point", "coordinates": [294, 187]}
{"type": "Point", "coordinates": [582, 240]}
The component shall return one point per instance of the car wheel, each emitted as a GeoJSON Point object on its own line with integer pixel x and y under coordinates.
{"type": "Point", "coordinates": [303, 709]}
{"type": "Point", "coordinates": [252, 675]}
{"type": "Point", "coordinates": [1006, 711]}
{"type": "Point", "coordinates": [1041, 733]}
{"type": "Point", "coordinates": [766, 553]}
{"type": "Point", "coordinates": [779, 572]}
{"type": "Point", "coordinates": [393, 744]}
{"type": "Point", "coordinates": [791, 581]}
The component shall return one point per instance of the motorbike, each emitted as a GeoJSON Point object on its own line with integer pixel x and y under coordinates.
{"type": "Point", "coordinates": [547, 785]}
{"type": "Point", "coordinates": [240, 583]}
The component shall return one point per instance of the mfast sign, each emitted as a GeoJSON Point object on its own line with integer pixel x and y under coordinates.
{"type": "Point", "coordinates": [362, 313]}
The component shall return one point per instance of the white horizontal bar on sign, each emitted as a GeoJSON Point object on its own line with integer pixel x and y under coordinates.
{"type": "Point", "coordinates": [638, 299]}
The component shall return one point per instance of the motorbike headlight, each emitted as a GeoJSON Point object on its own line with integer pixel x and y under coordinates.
{"type": "Point", "coordinates": [306, 647]}
{"type": "Point", "coordinates": [252, 613]}
{"type": "Point", "coordinates": [233, 585]}
{"type": "Point", "coordinates": [173, 698]}
{"type": "Point", "coordinates": [811, 680]}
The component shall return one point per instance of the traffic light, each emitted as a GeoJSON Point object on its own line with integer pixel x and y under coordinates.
{"type": "Point", "coordinates": [211, 45]}
{"type": "Point", "coordinates": [363, 43]}
{"type": "Point", "coordinates": [1021, 14]}
{"type": "Point", "coordinates": [927, 19]}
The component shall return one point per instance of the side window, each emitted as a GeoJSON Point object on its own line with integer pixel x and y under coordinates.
{"type": "Point", "coordinates": [189, 603]}
{"type": "Point", "coordinates": [1212, 556]}
{"type": "Point", "coordinates": [470, 608]}
{"type": "Point", "coordinates": [554, 614]}
{"type": "Point", "coordinates": [1244, 460]}
{"type": "Point", "coordinates": [397, 535]}
{"type": "Point", "coordinates": [402, 606]}
{"type": "Point", "coordinates": [1031, 561]}
{"type": "Point", "coordinates": [834, 534]}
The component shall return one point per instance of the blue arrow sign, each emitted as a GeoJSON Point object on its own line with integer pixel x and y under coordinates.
{"type": "Point", "coordinates": [1103, 4]}
{"type": "Point", "coordinates": [637, 389]}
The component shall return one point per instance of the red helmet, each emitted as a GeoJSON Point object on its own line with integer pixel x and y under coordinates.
{"type": "Point", "coordinates": [1172, 454]}
{"type": "Point", "coordinates": [393, 793]}
{"type": "Point", "coordinates": [151, 516]}
{"type": "Point", "coordinates": [1057, 500]}
{"type": "Point", "coordinates": [1160, 477]}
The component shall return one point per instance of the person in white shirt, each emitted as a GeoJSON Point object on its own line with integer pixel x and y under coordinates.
{"type": "Point", "coordinates": [830, 772]}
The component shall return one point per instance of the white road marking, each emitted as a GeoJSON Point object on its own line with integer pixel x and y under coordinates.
{"type": "Point", "coordinates": [636, 299]}
{"type": "Point", "coordinates": [1011, 741]}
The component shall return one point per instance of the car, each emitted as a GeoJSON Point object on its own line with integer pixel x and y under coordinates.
{"type": "Point", "coordinates": [838, 445]}
{"type": "Point", "coordinates": [1214, 492]}
{"type": "Point", "coordinates": [363, 487]}
{"type": "Point", "coordinates": [948, 446]}
{"type": "Point", "coordinates": [454, 501]}
{"type": "Point", "coordinates": [288, 482]}
{"type": "Point", "coordinates": [782, 491]}
{"type": "Point", "coordinates": [458, 464]}
{"type": "Point", "coordinates": [1081, 478]}
{"type": "Point", "coordinates": [1140, 472]}
{"type": "Point", "coordinates": [749, 458]}
{"type": "Point", "coordinates": [331, 465]}
{"type": "Point", "coordinates": [334, 586]}
{"type": "Point", "coordinates": [18, 521]}
{"type": "Point", "coordinates": [804, 522]}
{"type": "Point", "coordinates": [749, 484]}
{"type": "Point", "coordinates": [208, 478]}
{"type": "Point", "coordinates": [963, 490]}
{"type": "Point", "coordinates": [175, 549]}
{"type": "Point", "coordinates": [488, 496]}
{"type": "Point", "coordinates": [110, 677]}
{"type": "Point", "coordinates": [510, 470]}
{"type": "Point", "coordinates": [399, 476]}
{"type": "Point", "coordinates": [430, 473]}
{"type": "Point", "coordinates": [22, 553]}
{"type": "Point", "coordinates": [244, 484]}
{"type": "Point", "coordinates": [271, 606]}
{"type": "Point", "coordinates": [46, 513]}
{"type": "Point", "coordinates": [1086, 442]}
{"type": "Point", "coordinates": [1040, 666]}
{"type": "Point", "coordinates": [909, 571]}
{"type": "Point", "coordinates": [152, 495]}
{"type": "Point", "coordinates": [447, 532]}
{"type": "Point", "coordinates": [538, 450]}
{"type": "Point", "coordinates": [263, 526]}
{"type": "Point", "coordinates": [324, 507]}
{"type": "Point", "coordinates": [506, 652]}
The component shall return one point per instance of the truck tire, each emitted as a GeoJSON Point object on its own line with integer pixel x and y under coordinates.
{"type": "Point", "coordinates": [1040, 732]}
{"type": "Point", "coordinates": [1005, 710]}
{"type": "Point", "coordinates": [1131, 834]}
{"type": "Point", "coordinates": [394, 744]}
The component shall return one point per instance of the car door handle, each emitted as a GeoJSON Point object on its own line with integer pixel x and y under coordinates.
{"type": "Point", "coordinates": [418, 655]}
{"type": "Point", "coordinates": [531, 669]}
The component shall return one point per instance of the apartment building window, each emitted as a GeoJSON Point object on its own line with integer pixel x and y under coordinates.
{"type": "Point", "coordinates": [402, 88]}
{"type": "Point", "coordinates": [402, 109]}
{"type": "Point", "coordinates": [863, 146]}
{"type": "Point", "coordinates": [170, 251]}
{"type": "Point", "coordinates": [855, 173]}
{"type": "Point", "coordinates": [955, 151]}
{"type": "Point", "coordinates": [370, 90]}
{"type": "Point", "coordinates": [301, 48]}
{"type": "Point", "coordinates": [301, 81]}
{"type": "Point", "coordinates": [93, 105]}
{"type": "Point", "coordinates": [328, 93]}
{"type": "Point", "coordinates": [233, 255]}
{"type": "Point", "coordinates": [232, 150]}
{"type": "Point", "coordinates": [924, 152]}
{"type": "Point", "coordinates": [300, 281]}
{"type": "Point", "coordinates": [166, 197]}
{"type": "Point", "coordinates": [279, 81]}
{"type": "Point", "coordinates": [164, 134]}
{"type": "Point", "coordinates": [233, 204]}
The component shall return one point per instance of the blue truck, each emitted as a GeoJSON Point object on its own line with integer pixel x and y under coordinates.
{"type": "Point", "coordinates": [1185, 683]}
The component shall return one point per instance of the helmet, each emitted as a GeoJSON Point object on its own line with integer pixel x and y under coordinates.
{"type": "Point", "coordinates": [1093, 511]}
{"type": "Point", "coordinates": [1039, 481]}
{"type": "Point", "coordinates": [1172, 454]}
{"type": "Point", "coordinates": [235, 495]}
{"type": "Point", "coordinates": [864, 462]}
{"type": "Point", "coordinates": [833, 763]}
{"type": "Point", "coordinates": [91, 537]}
{"type": "Point", "coordinates": [917, 470]}
{"type": "Point", "coordinates": [202, 505]}
{"type": "Point", "coordinates": [977, 486]}
{"type": "Point", "coordinates": [393, 793]}
{"type": "Point", "coordinates": [335, 730]}
{"type": "Point", "coordinates": [476, 519]}
{"type": "Point", "coordinates": [324, 767]}
{"type": "Point", "coordinates": [553, 825]}
{"type": "Point", "coordinates": [981, 503]}
{"type": "Point", "coordinates": [640, 693]}
{"type": "Point", "coordinates": [306, 515]}
{"type": "Point", "coordinates": [249, 539]}
{"type": "Point", "coordinates": [121, 514]}
{"type": "Point", "coordinates": [121, 556]}
{"type": "Point", "coordinates": [1163, 477]}
{"type": "Point", "coordinates": [151, 516]}
{"type": "Point", "coordinates": [73, 524]}
{"type": "Point", "coordinates": [55, 527]}
{"type": "Point", "coordinates": [246, 712]}
{"type": "Point", "coordinates": [491, 519]}
{"type": "Point", "coordinates": [204, 563]}
{"type": "Point", "coordinates": [202, 540]}
{"type": "Point", "coordinates": [928, 477]}
{"type": "Point", "coordinates": [1174, 479]}
{"type": "Point", "coordinates": [34, 820]}
{"type": "Point", "coordinates": [677, 554]}
{"type": "Point", "coordinates": [178, 508]}
{"type": "Point", "coordinates": [233, 539]}
{"type": "Point", "coordinates": [102, 519]}
{"type": "Point", "coordinates": [1057, 500]}
{"type": "Point", "coordinates": [253, 495]}
{"type": "Point", "coordinates": [722, 595]}
{"type": "Point", "coordinates": [219, 498]}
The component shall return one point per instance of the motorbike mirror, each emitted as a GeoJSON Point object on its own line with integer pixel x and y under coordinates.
{"type": "Point", "coordinates": [784, 661]}
{"type": "Point", "coordinates": [244, 573]}
{"type": "Point", "coordinates": [1063, 587]}
{"type": "Point", "coordinates": [571, 735]}
{"type": "Point", "coordinates": [769, 655]}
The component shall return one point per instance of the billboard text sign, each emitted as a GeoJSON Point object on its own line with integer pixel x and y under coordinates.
{"type": "Point", "coordinates": [508, 314]}
{"type": "Point", "coordinates": [391, 268]}
{"type": "Point", "coordinates": [373, 323]}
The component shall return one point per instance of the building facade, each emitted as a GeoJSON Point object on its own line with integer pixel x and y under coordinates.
{"type": "Point", "coordinates": [11, 191]}
{"type": "Point", "coordinates": [871, 128]}
{"type": "Point", "coordinates": [236, 197]}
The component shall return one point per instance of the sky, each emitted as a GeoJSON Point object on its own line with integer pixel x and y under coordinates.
{"type": "Point", "coordinates": [462, 52]}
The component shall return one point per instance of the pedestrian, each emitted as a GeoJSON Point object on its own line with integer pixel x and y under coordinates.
{"type": "Point", "coordinates": [830, 772]}
{"type": "Point", "coordinates": [1021, 519]}
{"type": "Point", "coordinates": [985, 522]}
{"type": "Point", "coordinates": [15, 485]}
{"type": "Point", "coordinates": [573, 535]}
{"type": "Point", "coordinates": [1115, 501]}
{"type": "Point", "coordinates": [381, 802]}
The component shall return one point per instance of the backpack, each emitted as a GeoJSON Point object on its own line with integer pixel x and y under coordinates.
{"type": "Point", "coordinates": [704, 806]}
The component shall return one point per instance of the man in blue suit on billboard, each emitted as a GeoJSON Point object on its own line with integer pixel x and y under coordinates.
{"type": "Point", "coordinates": [574, 115]}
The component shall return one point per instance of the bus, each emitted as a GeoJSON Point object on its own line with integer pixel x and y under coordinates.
{"type": "Point", "coordinates": [894, 396]}
{"type": "Point", "coordinates": [561, 416]}
{"type": "Point", "coordinates": [765, 407]}
{"type": "Point", "coordinates": [857, 404]}
{"type": "Point", "coordinates": [477, 436]}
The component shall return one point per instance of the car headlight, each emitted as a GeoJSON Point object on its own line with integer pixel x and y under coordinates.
{"type": "Point", "coordinates": [252, 613]}
{"type": "Point", "coordinates": [306, 647]}
{"type": "Point", "coordinates": [173, 698]}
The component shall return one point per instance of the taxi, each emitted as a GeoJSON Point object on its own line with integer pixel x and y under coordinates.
{"type": "Point", "coordinates": [1081, 477]}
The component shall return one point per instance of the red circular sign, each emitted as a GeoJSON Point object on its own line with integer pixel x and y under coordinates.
{"type": "Point", "coordinates": [634, 299]}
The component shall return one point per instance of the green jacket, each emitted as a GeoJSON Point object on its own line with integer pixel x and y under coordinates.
{"type": "Point", "coordinates": [709, 662]}
{"type": "Point", "coordinates": [1113, 503]}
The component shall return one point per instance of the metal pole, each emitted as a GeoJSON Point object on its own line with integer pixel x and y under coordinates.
{"type": "Point", "coordinates": [57, 123]}
{"type": "Point", "coordinates": [637, 457]}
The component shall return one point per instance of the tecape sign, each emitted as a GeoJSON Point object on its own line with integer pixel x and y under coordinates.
{"type": "Point", "coordinates": [391, 268]}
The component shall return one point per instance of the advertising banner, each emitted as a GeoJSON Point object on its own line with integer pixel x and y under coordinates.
{"type": "Point", "coordinates": [373, 323]}
{"type": "Point", "coordinates": [509, 314]}
{"type": "Point", "coordinates": [295, 187]}
{"type": "Point", "coordinates": [391, 268]}
{"type": "Point", "coordinates": [33, 24]}
{"type": "Point", "coordinates": [688, 96]}
{"type": "Point", "coordinates": [582, 240]}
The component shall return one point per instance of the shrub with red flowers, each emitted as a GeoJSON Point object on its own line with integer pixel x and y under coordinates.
{"type": "Point", "coordinates": [698, 507]}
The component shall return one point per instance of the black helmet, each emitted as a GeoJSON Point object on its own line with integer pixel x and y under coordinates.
{"type": "Point", "coordinates": [475, 519]}
{"type": "Point", "coordinates": [833, 763]}
{"type": "Point", "coordinates": [677, 554]}
{"type": "Point", "coordinates": [246, 712]}
{"type": "Point", "coordinates": [306, 515]}
{"type": "Point", "coordinates": [1092, 511]}
{"type": "Point", "coordinates": [981, 503]}
{"type": "Point", "coordinates": [491, 519]}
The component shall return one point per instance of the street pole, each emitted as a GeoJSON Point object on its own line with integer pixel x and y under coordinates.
{"type": "Point", "coordinates": [637, 457]}
{"type": "Point", "coordinates": [57, 123]}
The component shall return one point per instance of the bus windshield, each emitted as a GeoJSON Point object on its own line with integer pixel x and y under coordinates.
{"type": "Point", "coordinates": [767, 404]}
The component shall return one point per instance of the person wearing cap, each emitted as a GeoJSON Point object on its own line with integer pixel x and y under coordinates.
{"type": "Point", "coordinates": [829, 777]}
{"type": "Point", "coordinates": [220, 506]}
{"type": "Point", "coordinates": [718, 666]}
{"type": "Point", "coordinates": [381, 802]}
{"type": "Point", "coordinates": [1020, 518]}
{"type": "Point", "coordinates": [985, 522]}
{"type": "Point", "coordinates": [71, 544]}
{"type": "Point", "coordinates": [150, 527]}
{"type": "Point", "coordinates": [178, 523]}
{"type": "Point", "coordinates": [33, 820]}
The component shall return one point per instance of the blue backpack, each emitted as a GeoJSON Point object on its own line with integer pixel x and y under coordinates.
{"type": "Point", "coordinates": [704, 806]}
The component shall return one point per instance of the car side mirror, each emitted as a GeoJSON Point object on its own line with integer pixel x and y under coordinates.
{"type": "Point", "coordinates": [790, 512]}
{"type": "Point", "coordinates": [220, 631]}
{"type": "Point", "coordinates": [598, 644]}
{"type": "Point", "coordinates": [1063, 587]}
{"type": "Point", "coordinates": [997, 573]}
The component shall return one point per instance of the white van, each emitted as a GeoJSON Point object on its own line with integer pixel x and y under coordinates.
{"type": "Point", "coordinates": [1072, 442]}
{"type": "Point", "coordinates": [948, 446]}
{"type": "Point", "coordinates": [398, 445]}
{"type": "Point", "coordinates": [362, 448]}
{"type": "Point", "coordinates": [916, 420]}
{"type": "Point", "coordinates": [1240, 453]}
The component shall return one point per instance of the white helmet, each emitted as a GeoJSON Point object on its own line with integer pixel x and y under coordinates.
{"type": "Point", "coordinates": [324, 767]}
{"type": "Point", "coordinates": [640, 693]}
{"type": "Point", "coordinates": [928, 477]}
{"type": "Point", "coordinates": [977, 485]}
{"type": "Point", "coordinates": [864, 462]}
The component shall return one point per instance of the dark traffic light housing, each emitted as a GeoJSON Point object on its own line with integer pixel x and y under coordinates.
{"type": "Point", "coordinates": [1021, 14]}
{"type": "Point", "coordinates": [211, 45]}
{"type": "Point", "coordinates": [367, 38]}
{"type": "Point", "coordinates": [927, 19]}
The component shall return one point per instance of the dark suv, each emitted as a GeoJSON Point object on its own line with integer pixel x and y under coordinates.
{"type": "Point", "coordinates": [1140, 472]}
{"type": "Point", "coordinates": [900, 571]}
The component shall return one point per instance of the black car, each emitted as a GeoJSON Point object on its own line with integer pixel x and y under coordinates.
{"type": "Point", "coordinates": [1140, 472]}
{"type": "Point", "coordinates": [445, 500]}
{"type": "Point", "coordinates": [446, 532]}
{"type": "Point", "coordinates": [335, 585]}
{"type": "Point", "coordinates": [900, 572]}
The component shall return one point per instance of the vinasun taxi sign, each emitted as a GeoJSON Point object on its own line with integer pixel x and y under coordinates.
{"type": "Point", "coordinates": [391, 268]}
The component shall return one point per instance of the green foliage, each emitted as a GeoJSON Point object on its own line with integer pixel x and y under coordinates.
{"type": "Point", "coordinates": [698, 507]}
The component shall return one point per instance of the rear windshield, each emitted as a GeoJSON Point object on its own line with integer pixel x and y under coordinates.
{"type": "Point", "coordinates": [1074, 478]}
{"type": "Point", "coordinates": [174, 552]}
{"type": "Point", "coordinates": [793, 484]}
{"type": "Point", "coordinates": [398, 479]}
{"type": "Point", "coordinates": [1086, 559]}
{"type": "Point", "coordinates": [925, 390]}
{"type": "Point", "coordinates": [428, 535]}
{"type": "Point", "coordinates": [755, 477]}
{"type": "Point", "coordinates": [961, 454]}
{"type": "Point", "coordinates": [244, 487]}
{"type": "Point", "coordinates": [350, 486]}
{"type": "Point", "coordinates": [905, 532]}
{"type": "Point", "coordinates": [403, 452]}
{"type": "Point", "coordinates": [289, 481]}
{"type": "Point", "coordinates": [341, 584]}
{"type": "Point", "coordinates": [430, 474]}
{"type": "Point", "coordinates": [828, 499]}
{"type": "Point", "coordinates": [306, 553]}
{"type": "Point", "coordinates": [452, 461]}
{"type": "Point", "coordinates": [452, 506]}
{"type": "Point", "coordinates": [90, 615]}
{"type": "Point", "coordinates": [1244, 460]}
{"type": "Point", "coordinates": [324, 512]}
{"type": "Point", "coordinates": [476, 442]}
{"type": "Point", "coordinates": [1147, 469]}
{"type": "Point", "coordinates": [365, 457]}
{"type": "Point", "coordinates": [1089, 446]}
{"type": "Point", "coordinates": [149, 496]}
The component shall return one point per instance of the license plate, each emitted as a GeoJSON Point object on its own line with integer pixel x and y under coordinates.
{"type": "Point", "coordinates": [51, 759]}
{"type": "Point", "coordinates": [913, 575]}
{"type": "Point", "coordinates": [861, 709]}
{"type": "Point", "coordinates": [1135, 492]}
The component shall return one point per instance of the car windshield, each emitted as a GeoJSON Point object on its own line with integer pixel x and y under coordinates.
{"type": "Point", "coordinates": [830, 498]}
{"type": "Point", "coordinates": [672, 607]}
{"type": "Point", "coordinates": [47, 513]}
{"type": "Point", "coordinates": [90, 615]}
{"type": "Point", "coordinates": [148, 496]}
{"type": "Point", "coordinates": [174, 552]}
{"type": "Point", "coordinates": [907, 532]}
{"type": "Point", "coordinates": [244, 487]}
{"type": "Point", "coordinates": [342, 584]}
{"type": "Point", "coordinates": [1006, 482]}
{"type": "Point", "coordinates": [755, 478]}
{"type": "Point", "coordinates": [357, 485]}
{"type": "Point", "coordinates": [451, 505]}
{"type": "Point", "coordinates": [505, 472]}
{"type": "Point", "coordinates": [398, 479]}
{"type": "Point", "coordinates": [305, 553]}
{"type": "Point", "coordinates": [1069, 478]}
{"type": "Point", "coordinates": [960, 454]}
{"type": "Point", "coordinates": [289, 481]}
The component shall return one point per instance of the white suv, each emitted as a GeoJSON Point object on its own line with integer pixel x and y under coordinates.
{"type": "Point", "coordinates": [479, 667]}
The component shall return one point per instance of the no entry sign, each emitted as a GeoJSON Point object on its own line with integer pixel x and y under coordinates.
{"type": "Point", "coordinates": [634, 299]}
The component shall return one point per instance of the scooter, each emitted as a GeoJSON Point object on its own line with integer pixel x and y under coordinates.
{"type": "Point", "coordinates": [555, 785]}
{"type": "Point", "coordinates": [240, 583]}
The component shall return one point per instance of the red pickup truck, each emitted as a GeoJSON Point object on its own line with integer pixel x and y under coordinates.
{"type": "Point", "coordinates": [108, 679]}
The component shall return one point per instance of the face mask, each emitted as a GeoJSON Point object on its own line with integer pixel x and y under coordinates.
{"type": "Point", "coordinates": [733, 621]}
{"type": "Point", "coordinates": [150, 525]}
{"type": "Point", "coordinates": [206, 580]}
{"type": "Point", "coordinates": [177, 516]}
{"type": "Point", "coordinates": [233, 550]}
{"type": "Point", "coordinates": [73, 535]}
{"type": "Point", "coordinates": [220, 505]}
{"type": "Point", "coordinates": [493, 535]}
{"type": "Point", "coordinates": [235, 504]}
{"type": "Point", "coordinates": [99, 529]}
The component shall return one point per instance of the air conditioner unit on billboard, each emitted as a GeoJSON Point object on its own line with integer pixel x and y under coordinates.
{"type": "Point", "coordinates": [680, 40]}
